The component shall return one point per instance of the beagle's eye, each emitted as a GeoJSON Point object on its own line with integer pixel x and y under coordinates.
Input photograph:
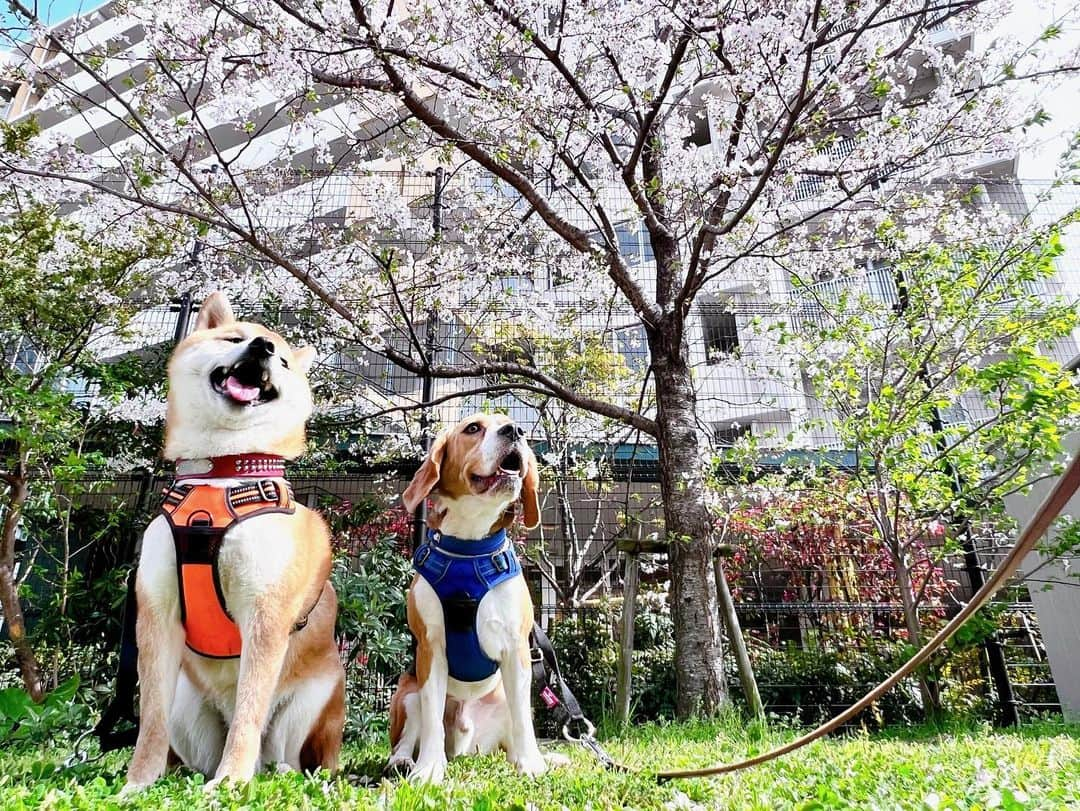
{"type": "Point", "coordinates": [234, 339]}
{"type": "Point", "coordinates": [472, 428]}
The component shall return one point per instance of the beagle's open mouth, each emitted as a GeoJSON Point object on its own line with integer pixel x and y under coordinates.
{"type": "Point", "coordinates": [246, 383]}
{"type": "Point", "coordinates": [509, 470]}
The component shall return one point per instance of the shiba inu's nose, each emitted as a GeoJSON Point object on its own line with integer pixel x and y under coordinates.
{"type": "Point", "coordinates": [261, 346]}
{"type": "Point", "coordinates": [512, 432]}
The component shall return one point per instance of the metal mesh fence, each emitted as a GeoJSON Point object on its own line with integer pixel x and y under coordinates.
{"type": "Point", "coordinates": [815, 651]}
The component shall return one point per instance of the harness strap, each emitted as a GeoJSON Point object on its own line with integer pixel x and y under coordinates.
{"type": "Point", "coordinates": [461, 572]}
{"type": "Point", "coordinates": [199, 515]}
{"type": "Point", "coordinates": [122, 707]}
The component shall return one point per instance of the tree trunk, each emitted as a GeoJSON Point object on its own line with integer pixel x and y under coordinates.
{"type": "Point", "coordinates": [699, 672]}
{"type": "Point", "coordinates": [29, 668]}
{"type": "Point", "coordinates": [914, 629]}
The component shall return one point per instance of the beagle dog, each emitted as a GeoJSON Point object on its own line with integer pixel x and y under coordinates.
{"type": "Point", "coordinates": [469, 606]}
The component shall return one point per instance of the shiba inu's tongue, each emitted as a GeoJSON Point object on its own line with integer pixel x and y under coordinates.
{"type": "Point", "coordinates": [239, 392]}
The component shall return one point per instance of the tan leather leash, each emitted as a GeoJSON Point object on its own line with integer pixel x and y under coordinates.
{"type": "Point", "coordinates": [1051, 507]}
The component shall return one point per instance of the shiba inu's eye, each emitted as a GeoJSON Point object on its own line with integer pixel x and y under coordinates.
{"type": "Point", "coordinates": [285, 363]}
{"type": "Point", "coordinates": [234, 339]}
{"type": "Point", "coordinates": [472, 428]}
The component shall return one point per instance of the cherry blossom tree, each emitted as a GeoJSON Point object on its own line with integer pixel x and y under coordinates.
{"type": "Point", "coordinates": [744, 137]}
{"type": "Point", "coordinates": [941, 369]}
{"type": "Point", "coordinates": [63, 291]}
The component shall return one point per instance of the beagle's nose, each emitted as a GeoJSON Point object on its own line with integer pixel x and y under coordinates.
{"type": "Point", "coordinates": [512, 432]}
{"type": "Point", "coordinates": [261, 347]}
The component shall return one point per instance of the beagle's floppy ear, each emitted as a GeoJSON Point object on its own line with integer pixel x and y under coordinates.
{"type": "Point", "coordinates": [214, 312]}
{"type": "Point", "coordinates": [427, 476]}
{"type": "Point", "coordinates": [530, 491]}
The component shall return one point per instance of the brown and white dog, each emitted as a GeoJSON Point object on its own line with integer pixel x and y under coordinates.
{"type": "Point", "coordinates": [235, 389]}
{"type": "Point", "coordinates": [474, 474]}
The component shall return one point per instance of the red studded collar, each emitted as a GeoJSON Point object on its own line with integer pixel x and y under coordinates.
{"type": "Point", "coordinates": [235, 466]}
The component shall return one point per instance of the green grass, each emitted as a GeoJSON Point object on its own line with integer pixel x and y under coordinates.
{"type": "Point", "coordinates": [925, 768]}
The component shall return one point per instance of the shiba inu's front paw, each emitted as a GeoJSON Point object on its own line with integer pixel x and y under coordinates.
{"type": "Point", "coordinates": [131, 787]}
{"type": "Point", "coordinates": [227, 778]}
{"type": "Point", "coordinates": [433, 771]}
{"type": "Point", "coordinates": [211, 786]}
{"type": "Point", "coordinates": [139, 779]}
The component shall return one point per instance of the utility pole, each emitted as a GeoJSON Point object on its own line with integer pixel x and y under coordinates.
{"type": "Point", "coordinates": [431, 335]}
{"type": "Point", "coordinates": [183, 315]}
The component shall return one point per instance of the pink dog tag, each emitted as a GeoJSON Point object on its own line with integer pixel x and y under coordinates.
{"type": "Point", "coordinates": [549, 698]}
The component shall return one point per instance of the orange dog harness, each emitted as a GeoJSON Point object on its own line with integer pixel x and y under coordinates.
{"type": "Point", "coordinates": [200, 515]}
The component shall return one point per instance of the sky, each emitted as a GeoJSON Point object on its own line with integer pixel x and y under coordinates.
{"type": "Point", "coordinates": [1027, 20]}
{"type": "Point", "coordinates": [53, 11]}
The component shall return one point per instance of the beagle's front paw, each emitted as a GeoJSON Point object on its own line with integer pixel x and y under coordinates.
{"type": "Point", "coordinates": [432, 771]}
{"type": "Point", "coordinates": [398, 766]}
{"type": "Point", "coordinates": [556, 760]}
{"type": "Point", "coordinates": [531, 764]}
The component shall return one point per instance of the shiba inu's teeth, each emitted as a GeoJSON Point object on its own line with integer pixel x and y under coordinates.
{"type": "Point", "coordinates": [265, 377]}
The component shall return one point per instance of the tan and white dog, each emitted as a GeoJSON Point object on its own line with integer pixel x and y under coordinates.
{"type": "Point", "coordinates": [237, 390]}
{"type": "Point", "coordinates": [474, 474]}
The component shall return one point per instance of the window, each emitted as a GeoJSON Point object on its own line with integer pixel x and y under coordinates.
{"type": "Point", "coordinates": [386, 375]}
{"type": "Point", "coordinates": [726, 434]}
{"type": "Point", "coordinates": [720, 332]}
{"type": "Point", "coordinates": [631, 344]}
{"type": "Point", "coordinates": [634, 243]}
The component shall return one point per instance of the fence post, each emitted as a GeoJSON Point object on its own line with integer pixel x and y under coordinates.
{"type": "Point", "coordinates": [735, 637]}
{"type": "Point", "coordinates": [626, 638]}
{"type": "Point", "coordinates": [183, 315]}
{"type": "Point", "coordinates": [431, 335]}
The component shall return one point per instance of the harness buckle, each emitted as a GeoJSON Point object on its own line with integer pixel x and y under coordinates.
{"type": "Point", "coordinates": [267, 490]}
{"type": "Point", "coordinates": [536, 656]}
{"type": "Point", "coordinates": [499, 561]}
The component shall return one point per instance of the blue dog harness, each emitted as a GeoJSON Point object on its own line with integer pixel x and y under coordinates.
{"type": "Point", "coordinates": [462, 572]}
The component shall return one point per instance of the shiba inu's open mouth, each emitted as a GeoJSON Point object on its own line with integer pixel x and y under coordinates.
{"type": "Point", "coordinates": [509, 469]}
{"type": "Point", "coordinates": [246, 383]}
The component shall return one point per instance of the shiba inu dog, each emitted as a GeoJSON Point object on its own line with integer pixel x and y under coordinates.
{"type": "Point", "coordinates": [238, 667]}
{"type": "Point", "coordinates": [469, 606]}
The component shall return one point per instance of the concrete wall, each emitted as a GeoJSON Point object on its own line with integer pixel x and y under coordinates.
{"type": "Point", "coordinates": [1054, 591]}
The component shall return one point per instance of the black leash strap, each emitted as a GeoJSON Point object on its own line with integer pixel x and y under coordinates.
{"type": "Point", "coordinates": [122, 706]}
{"type": "Point", "coordinates": [547, 678]}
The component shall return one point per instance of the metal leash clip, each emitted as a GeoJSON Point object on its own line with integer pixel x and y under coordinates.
{"type": "Point", "coordinates": [588, 741]}
{"type": "Point", "coordinates": [79, 755]}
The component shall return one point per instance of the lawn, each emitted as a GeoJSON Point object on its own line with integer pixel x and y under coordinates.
{"type": "Point", "coordinates": [973, 768]}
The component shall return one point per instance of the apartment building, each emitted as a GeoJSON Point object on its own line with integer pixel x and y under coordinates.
{"type": "Point", "coordinates": [742, 388]}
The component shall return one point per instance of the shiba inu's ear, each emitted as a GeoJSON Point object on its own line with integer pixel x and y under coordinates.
{"type": "Point", "coordinates": [304, 357]}
{"type": "Point", "coordinates": [530, 490]}
{"type": "Point", "coordinates": [427, 476]}
{"type": "Point", "coordinates": [214, 312]}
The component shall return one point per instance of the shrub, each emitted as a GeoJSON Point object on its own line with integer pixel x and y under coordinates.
{"type": "Point", "coordinates": [815, 684]}
{"type": "Point", "coordinates": [23, 721]}
{"type": "Point", "coordinates": [587, 644]}
{"type": "Point", "coordinates": [371, 574]}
